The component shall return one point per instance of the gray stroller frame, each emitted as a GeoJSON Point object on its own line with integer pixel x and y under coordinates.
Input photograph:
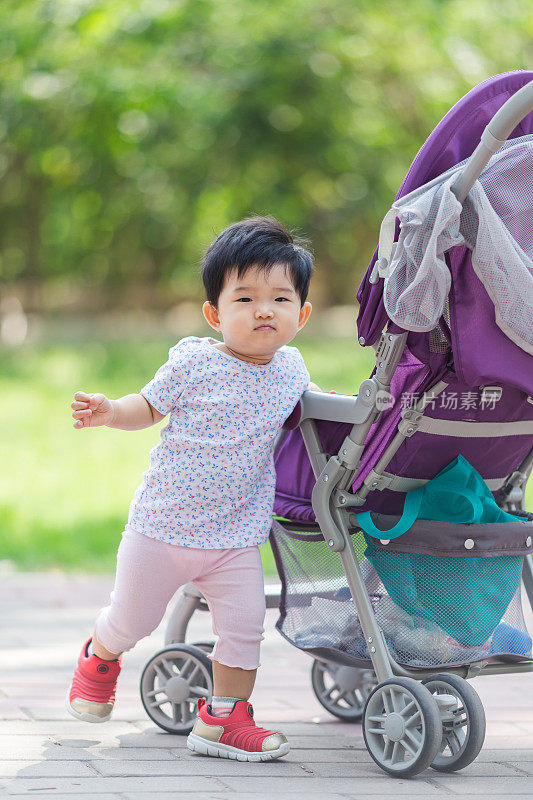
{"type": "Point", "coordinates": [412, 718]}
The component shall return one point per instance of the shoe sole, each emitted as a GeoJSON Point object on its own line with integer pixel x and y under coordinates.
{"type": "Point", "coordinates": [219, 750]}
{"type": "Point", "coordinates": [83, 715]}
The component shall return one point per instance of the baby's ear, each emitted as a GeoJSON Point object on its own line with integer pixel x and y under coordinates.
{"type": "Point", "coordinates": [211, 315]}
{"type": "Point", "coordinates": [305, 312]}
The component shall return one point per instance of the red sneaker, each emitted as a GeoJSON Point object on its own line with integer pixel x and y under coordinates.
{"type": "Point", "coordinates": [235, 736]}
{"type": "Point", "coordinates": [92, 692]}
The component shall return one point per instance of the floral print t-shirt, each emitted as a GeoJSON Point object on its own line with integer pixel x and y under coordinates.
{"type": "Point", "coordinates": [212, 478]}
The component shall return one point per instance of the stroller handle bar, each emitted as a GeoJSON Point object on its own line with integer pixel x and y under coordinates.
{"type": "Point", "coordinates": [495, 134]}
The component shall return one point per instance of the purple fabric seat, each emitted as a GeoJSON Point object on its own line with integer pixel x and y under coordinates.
{"type": "Point", "coordinates": [479, 354]}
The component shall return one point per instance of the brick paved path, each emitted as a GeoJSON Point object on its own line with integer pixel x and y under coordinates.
{"type": "Point", "coordinates": [46, 753]}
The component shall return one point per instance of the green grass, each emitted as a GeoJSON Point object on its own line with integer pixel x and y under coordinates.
{"type": "Point", "coordinates": [65, 494]}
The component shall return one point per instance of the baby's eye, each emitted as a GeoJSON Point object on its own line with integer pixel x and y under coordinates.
{"type": "Point", "coordinates": [282, 298]}
{"type": "Point", "coordinates": [244, 300]}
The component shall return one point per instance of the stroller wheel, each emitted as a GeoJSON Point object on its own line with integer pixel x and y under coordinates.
{"type": "Point", "coordinates": [171, 683]}
{"type": "Point", "coordinates": [402, 727]}
{"type": "Point", "coordinates": [463, 721]}
{"type": "Point", "coordinates": [206, 647]}
{"type": "Point", "coordinates": [342, 690]}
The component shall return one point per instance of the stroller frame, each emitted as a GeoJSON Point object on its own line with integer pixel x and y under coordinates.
{"type": "Point", "coordinates": [334, 503]}
{"type": "Point", "coordinates": [331, 503]}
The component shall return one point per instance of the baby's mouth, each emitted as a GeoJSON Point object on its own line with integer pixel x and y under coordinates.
{"type": "Point", "coordinates": [265, 327]}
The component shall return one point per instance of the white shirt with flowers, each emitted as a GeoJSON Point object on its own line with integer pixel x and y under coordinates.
{"type": "Point", "coordinates": [211, 479]}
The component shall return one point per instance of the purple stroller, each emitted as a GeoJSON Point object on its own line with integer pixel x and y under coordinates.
{"type": "Point", "coordinates": [393, 622]}
{"type": "Point", "coordinates": [453, 379]}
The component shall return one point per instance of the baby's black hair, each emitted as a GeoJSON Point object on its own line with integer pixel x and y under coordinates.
{"type": "Point", "coordinates": [260, 242]}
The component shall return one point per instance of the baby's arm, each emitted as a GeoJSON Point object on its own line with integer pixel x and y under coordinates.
{"type": "Point", "coordinates": [130, 413]}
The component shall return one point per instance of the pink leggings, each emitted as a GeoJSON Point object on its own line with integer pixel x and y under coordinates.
{"type": "Point", "coordinates": [148, 574]}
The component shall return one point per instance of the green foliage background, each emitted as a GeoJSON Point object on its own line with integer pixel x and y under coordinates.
{"type": "Point", "coordinates": [131, 131]}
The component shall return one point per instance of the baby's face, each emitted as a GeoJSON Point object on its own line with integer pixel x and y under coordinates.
{"type": "Point", "coordinates": [258, 313]}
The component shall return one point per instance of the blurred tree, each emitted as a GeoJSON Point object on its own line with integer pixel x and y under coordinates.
{"type": "Point", "coordinates": [132, 131]}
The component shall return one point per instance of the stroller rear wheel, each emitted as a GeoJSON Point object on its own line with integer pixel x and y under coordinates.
{"type": "Point", "coordinates": [171, 683]}
{"type": "Point", "coordinates": [342, 691]}
{"type": "Point", "coordinates": [463, 723]}
{"type": "Point", "coordinates": [402, 727]}
{"type": "Point", "coordinates": [207, 647]}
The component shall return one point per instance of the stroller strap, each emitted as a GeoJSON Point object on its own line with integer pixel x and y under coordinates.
{"type": "Point", "coordinates": [413, 503]}
{"type": "Point", "coordinates": [399, 483]}
{"type": "Point", "coordinates": [474, 430]}
{"type": "Point", "coordinates": [457, 494]}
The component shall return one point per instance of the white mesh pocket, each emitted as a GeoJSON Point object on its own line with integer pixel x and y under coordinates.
{"type": "Point", "coordinates": [496, 223]}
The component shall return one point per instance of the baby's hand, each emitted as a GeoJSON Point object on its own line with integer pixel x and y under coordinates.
{"type": "Point", "coordinates": [91, 410]}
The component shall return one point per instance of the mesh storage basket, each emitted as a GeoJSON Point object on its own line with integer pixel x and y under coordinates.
{"type": "Point", "coordinates": [317, 613]}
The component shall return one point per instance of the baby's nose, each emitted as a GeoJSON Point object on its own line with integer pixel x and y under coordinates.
{"type": "Point", "coordinates": [264, 311]}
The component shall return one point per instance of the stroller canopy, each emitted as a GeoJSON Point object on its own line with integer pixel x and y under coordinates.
{"type": "Point", "coordinates": [467, 349]}
{"type": "Point", "coordinates": [496, 224]}
{"type": "Point", "coordinates": [490, 313]}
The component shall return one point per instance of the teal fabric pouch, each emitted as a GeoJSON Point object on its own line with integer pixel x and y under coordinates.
{"type": "Point", "coordinates": [465, 595]}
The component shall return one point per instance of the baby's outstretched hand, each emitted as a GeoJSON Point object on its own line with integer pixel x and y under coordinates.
{"type": "Point", "coordinates": [91, 410]}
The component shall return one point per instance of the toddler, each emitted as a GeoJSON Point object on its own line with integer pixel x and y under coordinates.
{"type": "Point", "coordinates": [206, 500]}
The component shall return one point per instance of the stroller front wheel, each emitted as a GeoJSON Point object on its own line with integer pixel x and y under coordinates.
{"type": "Point", "coordinates": [402, 727]}
{"type": "Point", "coordinates": [463, 722]}
{"type": "Point", "coordinates": [342, 691]}
{"type": "Point", "coordinates": [171, 683]}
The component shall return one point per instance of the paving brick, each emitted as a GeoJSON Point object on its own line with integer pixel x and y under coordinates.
{"type": "Point", "coordinates": [370, 768]}
{"type": "Point", "coordinates": [44, 795]}
{"type": "Point", "coordinates": [525, 767]}
{"type": "Point", "coordinates": [224, 794]}
{"type": "Point", "coordinates": [45, 769]}
{"type": "Point", "coordinates": [10, 710]}
{"type": "Point", "coordinates": [365, 786]}
{"type": "Point", "coordinates": [462, 785]}
{"type": "Point", "coordinates": [71, 727]}
{"type": "Point", "coordinates": [94, 787]}
{"type": "Point", "coordinates": [161, 740]}
{"type": "Point", "coordinates": [318, 756]}
{"type": "Point", "coordinates": [523, 755]}
{"type": "Point", "coordinates": [365, 768]}
{"type": "Point", "coordinates": [50, 751]}
{"type": "Point", "coordinates": [480, 769]}
{"type": "Point", "coordinates": [526, 726]}
{"type": "Point", "coordinates": [323, 743]}
{"type": "Point", "coordinates": [200, 765]}
{"type": "Point", "coordinates": [514, 742]}
{"type": "Point", "coordinates": [495, 728]}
